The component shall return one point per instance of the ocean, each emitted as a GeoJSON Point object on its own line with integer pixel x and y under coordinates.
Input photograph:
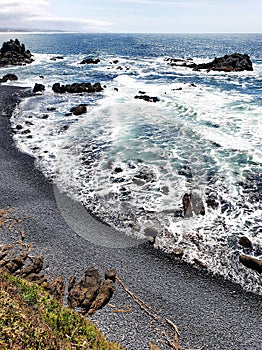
{"type": "Point", "coordinates": [130, 162]}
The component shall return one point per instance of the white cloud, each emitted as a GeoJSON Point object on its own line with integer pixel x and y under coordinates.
{"type": "Point", "coordinates": [36, 14]}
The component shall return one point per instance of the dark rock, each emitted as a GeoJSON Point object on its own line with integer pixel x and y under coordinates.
{"type": "Point", "coordinates": [13, 53]}
{"type": "Point", "coordinates": [118, 170]}
{"type": "Point", "coordinates": [7, 77]}
{"type": "Point", "coordinates": [51, 109]}
{"type": "Point", "coordinates": [245, 242]}
{"type": "Point", "coordinates": [115, 89]}
{"type": "Point", "coordinates": [56, 58]}
{"type": "Point", "coordinates": [110, 275]}
{"type": "Point", "coordinates": [78, 110]}
{"type": "Point", "coordinates": [187, 207]}
{"type": "Point", "coordinates": [212, 200]}
{"type": "Point", "coordinates": [19, 127]}
{"type": "Point", "coordinates": [38, 88]}
{"type": "Point", "coordinates": [77, 88]}
{"type": "Point", "coordinates": [105, 293]}
{"type": "Point", "coordinates": [251, 262]}
{"type": "Point", "coordinates": [83, 293]}
{"type": "Point", "coordinates": [90, 61]}
{"type": "Point", "coordinates": [115, 61]}
{"type": "Point", "coordinates": [229, 63]}
{"type": "Point", "coordinates": [147, 98]}
{"type": "Point", "coordinates": [45, 116]}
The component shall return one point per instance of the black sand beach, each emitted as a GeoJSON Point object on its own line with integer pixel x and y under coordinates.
{"type": "Point", "coordinates": [210, 313]}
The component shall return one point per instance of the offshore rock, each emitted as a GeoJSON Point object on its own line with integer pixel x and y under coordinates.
{"type": "Point", "coordinates": [147, 98]}
{"type": "Point", "coordinates": [78, 110]}
{"type": "Point", "coordinates": [235, 62]}
{"type": "Point", "coordinates": [90, 61]}
{"type": "Point", "coordinates": [77, 88]}
{"type": "Point", "coordinates": [251, 262]}
{"type": "Point", "coordinates": [38, 88]}
{"type": "Point", "coordinates": [7, 77]}
{"type": "Point", "coordinates": [13, 53]}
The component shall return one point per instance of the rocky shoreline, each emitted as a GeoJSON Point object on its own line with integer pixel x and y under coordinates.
{"type": "Point", "coordinates": [210, 312]}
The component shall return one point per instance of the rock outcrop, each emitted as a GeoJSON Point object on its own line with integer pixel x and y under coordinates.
{"type": "Point", "coordinates": [147, 98]}
{"type": "Point", "coordinates": [90, 61]}
{"type": "Point", "coordinates": [77, 88]}
{"type": "Point", "coordinates": [90, 294]}
{"type": "Point", "coordinates": [235, 62]}
{"type": "Point", "coordinates": [78, 110]}
{"type": "Point", "coordinates": [13, 53]}
{"type": "Point", "coordinates": [9, 77]}
{"type": "Point", "coordinates": [38, 88]}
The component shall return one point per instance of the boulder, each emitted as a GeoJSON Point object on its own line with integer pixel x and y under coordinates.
{"type": "Point", "coordinates": [77, 88]}
{"type": "Point", "coordinates": [7, 77]}
{"type": "Point", "coordinates": [13, 53]}
{"type": "Point", "coordinates": [245, 242]}
{"type": "Point", "coordinates": [78, 110]}
{"type": "Point", "coordinates": [38, 88]}
{"type": "Point", "coordinates": [251, 262]}
{"type": "Point", "coordinates": [235, 62]}
{"type": "Point", "coordinates": [90, 61]}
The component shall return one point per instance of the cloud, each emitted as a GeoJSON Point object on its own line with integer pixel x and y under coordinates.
{"type": "Point", "coordinates": [36, 14]}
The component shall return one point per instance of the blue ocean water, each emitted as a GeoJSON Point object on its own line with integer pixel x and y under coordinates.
{"type": "Point", "coordinates": [130, 161]}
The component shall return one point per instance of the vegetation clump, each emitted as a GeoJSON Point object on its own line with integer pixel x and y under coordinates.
{"type": "Point", "coordinates": [30, 318]}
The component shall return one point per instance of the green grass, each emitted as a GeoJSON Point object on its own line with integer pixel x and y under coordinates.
{"type": "Point", "coordinates": [32, 319]}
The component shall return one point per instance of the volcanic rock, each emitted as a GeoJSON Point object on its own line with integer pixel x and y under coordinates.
{"type": "Point", "coordinates": [7, 77]}
{"type": "Point", "coordinates": [78, 110]}
{"type": "Point", "coordinates": [147, 98]}
{"type": "Point", "coordinates": [251, 262]}
{"type": "Point", "coordinates": [38, 88]}
{"type": "Point", "coordinates": [77, 88]}
{"type": "Point", "coordinates": [13, 53]}
{"type": "Point", "coordinates": [235, 62]}
{"type": "Point", "coordinates": [90, 61]}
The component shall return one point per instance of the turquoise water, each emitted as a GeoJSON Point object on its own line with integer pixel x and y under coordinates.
{"type": "Point", "coordinates": [130, 162]}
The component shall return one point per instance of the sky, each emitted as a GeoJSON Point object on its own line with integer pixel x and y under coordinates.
{"type": "Point", "coordinates": [134, 16]}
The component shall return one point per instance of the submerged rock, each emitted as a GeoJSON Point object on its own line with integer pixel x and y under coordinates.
{"type": "Point", "coordinates": [13, 53]}
{"type": "Point", "coordinates": [235, 62]}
